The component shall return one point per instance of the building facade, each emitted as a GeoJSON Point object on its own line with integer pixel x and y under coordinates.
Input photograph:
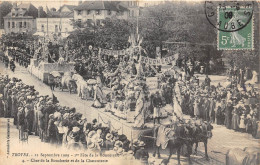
{"type": "Point", "coordinates": [57, 23]}
{"type": "Point", "coordinates": [99, 10]}
{"type": "Point", "coordinates": [133, 7]}
{"type": "Point", "coordinates": [22, 18]}
{"type": "Point", "coordinates": [48, 26]}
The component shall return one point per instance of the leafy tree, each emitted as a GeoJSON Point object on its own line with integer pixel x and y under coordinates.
{"type": "Point", "coordinates": [5, 8]}
{"type": "Point", "coordinates": [155, 26]}
{"type": "Point", "coordinates": [110, 33]}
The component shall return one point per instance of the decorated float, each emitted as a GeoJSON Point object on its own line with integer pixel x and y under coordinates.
{"type": "Point", "coordinates": [41, 68]}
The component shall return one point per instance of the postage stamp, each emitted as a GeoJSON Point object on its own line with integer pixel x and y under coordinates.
{"type": "Point", "coordinates": [230, 18]}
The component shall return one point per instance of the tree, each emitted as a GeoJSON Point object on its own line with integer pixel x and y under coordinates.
{"type": "Point", "coordinates": [113, 33]}
{"type": "Point", "coordinates": [110, 33]}
{"type": "Point", "coordinates": [5, 8]}
{"type": "Point", "coordinates": [155, 26]}
{"type": "Point", "coordinates": [184, 26]}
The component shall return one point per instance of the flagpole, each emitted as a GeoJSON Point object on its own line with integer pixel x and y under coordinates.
{"type": "Point", "coordinates": [47, 22]}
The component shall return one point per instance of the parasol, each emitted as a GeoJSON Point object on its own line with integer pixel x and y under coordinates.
{"type": "Point", "coordinates": [55, 74]}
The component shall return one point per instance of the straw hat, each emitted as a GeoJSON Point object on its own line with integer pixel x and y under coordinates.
{"type": "Point", "coordinates": [91, 134]}
{"type": "Point", "coordinates": [120, 151]}
{"type": "Point", "coordinates": [75, 129]}
{"type": "Point", "coordinates": [109, 136]}
{"type": "Point", "coordinates": [141, 144]}
{"type": "Point", "coordinates": [91, 145]}
{"type": "Point", "coordinates": [118, 143]}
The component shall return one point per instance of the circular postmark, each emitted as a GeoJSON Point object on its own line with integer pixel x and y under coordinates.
{"type": "Point", "coordinates": [229, 16]}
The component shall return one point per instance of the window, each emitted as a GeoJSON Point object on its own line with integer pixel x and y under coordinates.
{"type": "Point", "coordinates": [88, 12]}
{"type": "Point", "coordinates": [13, 25]}
{"type": "Point", "coordinates": [109, 12]}
{"type": "Point", "coordinates": [79, 12]}
{"type": "Point", "coordinates": [24, 24]}
{"type": "Point", "coordinates": [97, 12]}
{"type": "Point", "coordinates": [42, 28]}
{"type": "Point", "coordinates": [20, 24]}
{"type": "Point", "coordinates": [9, 24]}
{"type": "Point", "coordinates": [56, 28]}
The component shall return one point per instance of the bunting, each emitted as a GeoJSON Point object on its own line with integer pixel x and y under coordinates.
{"type": "Point", "coordinates": [113, 52]}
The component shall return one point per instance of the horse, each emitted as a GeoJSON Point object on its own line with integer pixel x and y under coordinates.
{"type": "Point", "coordinates": [80, 83]}
{"type": "Point", "coordinates": [201, 134]}
{"type": "Point", "coordinates": [67, 82]}
{"type": "Point", "coordinates": [83, 89]}
{"type": "Point", "coordinates": [176, 137]}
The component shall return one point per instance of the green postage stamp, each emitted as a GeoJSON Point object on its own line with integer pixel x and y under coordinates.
{"type": "Point", "coordinates": [238, 31]}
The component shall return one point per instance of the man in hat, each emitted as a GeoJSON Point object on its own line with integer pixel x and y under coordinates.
{"type": "Point", "coordinates": [207, 81]}
{"type": "Point", "coordinates": [206, 107]}
{"type": "Point", "coordinates": [212, 109]}
{"type": "Point", "coordinates": [29, 114]}
{"type": "Point", "coordinates": [157, 104]}
{"type": "Point", "coordinates": [109, 143]}
{"type": "Point", "coordinates": [48, 109]}
{"type": "Point", "coordinates": [141, 154]}
{"type": "Point", "coordinates": [14, 106]}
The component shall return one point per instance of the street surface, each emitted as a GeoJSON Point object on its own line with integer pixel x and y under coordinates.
{"type": "Point", "coordinates": [222, 140]}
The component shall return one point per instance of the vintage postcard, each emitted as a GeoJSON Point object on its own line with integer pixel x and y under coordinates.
{"type": "Point", "coordinates": [149, 82]}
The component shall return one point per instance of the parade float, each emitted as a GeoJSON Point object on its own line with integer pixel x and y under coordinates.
{"type": "Point", "coordinates": [41, 68]}
{"type": "Point", "coordinates": [124, 104]}
{"type": "Point", "coordinates": [127, 110]}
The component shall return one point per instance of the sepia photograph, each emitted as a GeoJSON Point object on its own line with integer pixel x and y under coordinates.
{"type": "Point", "coordinates": [142, 82]}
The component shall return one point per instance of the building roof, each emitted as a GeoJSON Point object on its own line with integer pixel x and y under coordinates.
{"type": "Point", "coordinates": [100, 5]}
{"type": "Point", "coordinates": [56, 14]}
{"type": "Point", "coordinates": [70, 7]}
{"type": "Point", "coordinates": [23, 10]}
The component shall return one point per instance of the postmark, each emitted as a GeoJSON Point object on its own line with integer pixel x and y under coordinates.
{"type": "Point", "coordinates": [234, 21]}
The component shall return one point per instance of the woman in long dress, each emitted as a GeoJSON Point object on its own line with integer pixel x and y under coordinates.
{"type": "Point", "coordinates": [235, 120]}
{"type": "Point", "coordinates": [99, 97]}
{"type": "Point", "coordinates": [196, 108]}
{"type": "Point", "coordinates": [140, 111]}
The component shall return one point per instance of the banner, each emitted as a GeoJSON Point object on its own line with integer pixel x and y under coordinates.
{"type": "Point", "coordinates": [162, 61]}
{"type": "Point", "coordinates": [112, 52]}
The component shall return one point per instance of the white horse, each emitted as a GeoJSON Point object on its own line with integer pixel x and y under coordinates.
{"type": "Point", "coordinates": [66, 81]}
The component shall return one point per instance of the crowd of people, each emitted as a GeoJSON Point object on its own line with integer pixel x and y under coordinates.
{"type": "Point", "coordinates": [229, 104]}
{"type": "Point", "coordinates": [43, 116]}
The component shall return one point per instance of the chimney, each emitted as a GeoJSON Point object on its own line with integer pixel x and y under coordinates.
{"type": "Point", "coordinates": [40, 11]}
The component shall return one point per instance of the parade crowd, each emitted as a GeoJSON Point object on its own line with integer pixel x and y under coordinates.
{"type": "Point", "coordinates": [235, 105]}
{"type": "Point", "coordinates": [43, 116]}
